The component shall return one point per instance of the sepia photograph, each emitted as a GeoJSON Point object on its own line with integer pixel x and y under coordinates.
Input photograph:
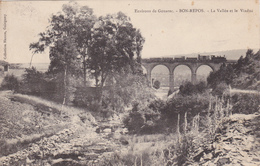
{"type": "Point", "coordinates": [129, 83]}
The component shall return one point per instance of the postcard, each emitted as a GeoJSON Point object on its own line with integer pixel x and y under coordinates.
{"type": "Point", "coordinates": [71, 93]}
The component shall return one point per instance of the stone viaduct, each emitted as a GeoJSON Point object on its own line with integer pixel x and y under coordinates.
{"type": "Point", "coordinates": [192, 63]}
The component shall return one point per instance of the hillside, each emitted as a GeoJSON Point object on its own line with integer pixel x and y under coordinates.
{"type": "Point", "coordinates": [237, 144]}
{"type": "Point", "coordinates": [244, 74]}
{"type": "Point", "coordinates": [48, 133]}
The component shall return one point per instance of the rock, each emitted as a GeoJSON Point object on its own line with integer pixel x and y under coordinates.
{"type": "Point", "coordinates": [99, 150]}
{"type": "Point", "coordinates": [256, 159]}
{"type": "Point", "coordinates": [124, 131]}
{"type": "Point", "coordinates": [227, 147]}
{"type": "Point", "coordinates": [223, 161]}
{"type": "Point", "coordinates": [217, 153]}
{"type": "Point", "coordinates": [208, 156]}
{"type": "Point", "coordinates": [238, 137]}
{"type": "Point", "coordinates": [244, 154]}
{"type": "Point", "coordinates": [245, 163]}
{"type": "Point", "coordinates": [124, 142]}
{"type": "Point", "coordinates": [98, 130]}
{"type": "Point", "coordinates": [91, 156]}
{"type": "Point", "coordinates": [107, 130]}
{"type": "Point", "coordinates": [229, 139]}
{"type": "Point", "coordinates": [198, 155]}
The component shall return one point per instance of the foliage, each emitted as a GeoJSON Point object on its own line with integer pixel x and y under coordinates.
{"type": "Point", "coordinates": [188, 88]}
{"type": "Point", "coordinates": [34, 83]}
{"type": "Point", "coordinates": [245, 103]}
{"type": "Point", "coordinates": [193, 142]}
{"type": "Point", "coordinates": [67, 36]}
{"type": "Point", "coordinates": [220, 89]}
{"type": "Point", "coordinates": [244, 74]}
{"type": "Point", "coordinates": [159, 116]}
{"type": "Point", "coordinates": [10, 82]}
{"type": "Point", "coordinates": [114, 49]}
{"type": "Point", "coordinates": [225, 74]}
{"type": "Point", "coordinates": [81, 43]}
{"type": "Point", "coordinates": [117, 94]}
{"type": "Point", "coordinates": [195, 130]}
{"type": "Point", "coordinates": [85, 96]}
{"type": "Point", "coordinates": [122, 91]}
{"type": "Point", "coordinates": [143, 158]}
{"type": "Point", "coordinates": [156, 84]}
{"type": "Point", "coordinates": [144, 119]}
{"type": "Point", "coordinates": [180, 104]}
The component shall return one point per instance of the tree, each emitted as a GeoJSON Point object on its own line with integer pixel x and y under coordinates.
{"type": "Point", "coordinates": [225, 74]}
{"type": "Point", "coordinates": [81, 43]}
{"type": "Point", "coordinates": [244, 74]}
{"type": "Point", "coordinates": [115, 48]}
{"type": "Point", "coordinates": [67, 37]}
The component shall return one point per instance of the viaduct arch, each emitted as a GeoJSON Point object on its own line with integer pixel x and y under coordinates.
{"type": "Point", "coordinates": [193, 63]}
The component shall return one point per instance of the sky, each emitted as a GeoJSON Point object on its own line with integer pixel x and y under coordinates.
{"type": "Point", "coordinates": [173, 33]}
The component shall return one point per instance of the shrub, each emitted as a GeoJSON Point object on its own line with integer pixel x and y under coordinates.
{"type": "Point", "coordinates": [180, 104]}
{"type": "Point", "coordinates": [246, 103]}
{"type": "Point", "coordinates": [36, 83]}
{"type": "Point", "coordinates": [188, 88]}
{"type": "Point", "coordinates": [219, 89]}
{"type": "Point", "coordinates": [10, 82]}
{"type": "Point", "coordinates": [145, 119]}
{"type": "Point", "coordinates": [125, 91]}
{"type": "Point", "coordinates": [85, 96]}
{"type": "Point", "coordinates": [156, 84]}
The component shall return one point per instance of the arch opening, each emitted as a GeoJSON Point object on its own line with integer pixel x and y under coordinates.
{"type": "Point", "coordinates": [161, 74]}
{"type": "Point", "coordinates": [203, 72]}
{"type": "Point", "coordinates": [182, 74]}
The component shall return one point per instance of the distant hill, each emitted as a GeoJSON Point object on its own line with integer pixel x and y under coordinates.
{"type": "Point", "coordinates": [39, 66]}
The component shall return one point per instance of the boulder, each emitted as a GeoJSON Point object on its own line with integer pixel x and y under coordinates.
{"type": "Point", "coordinates": [107, 130]}
{"type": "Point", "coordinates": [222, 161]}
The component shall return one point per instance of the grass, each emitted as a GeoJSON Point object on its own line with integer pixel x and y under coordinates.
{"type": "Point", "coordinates": [26, 119]}
{"type": "Point", "coordinates": [58, 108]}
{"type": "Point", "coordinates": [145, 150]}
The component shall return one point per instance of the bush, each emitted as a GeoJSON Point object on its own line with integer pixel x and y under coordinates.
{"type": "Point", "coordinates": [145, 119]}
{"type": "Point", "coordinates": [189, 89]}
{"type": "Point", "coordinates": [220, 89]}
{"type": "Point", "coordinates": [180, 104]}
{"type": "Point", "coordinates": [10, 82]}
{"type": "Point", "coordinates": [125, 91]}
{"type": "Point", "coordinates": [156, 84]}
{"type": "Point", "coordinates": [85, 96]}
{"type": "Point", "coordinates": [246, 103]}
{"type": "Point", "coordinates": [36, 83]}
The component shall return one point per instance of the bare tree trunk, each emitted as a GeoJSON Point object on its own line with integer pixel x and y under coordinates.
{"type": "Point", "coordinates": [84, 72]}
{"type": "Point", "coordinates": [185, 123]}
{"type": "Point", "coordinates": [31, 60]}
{"type": "Point", "coordinates": [178, 127]}
{"type": "Point", "coordinates": [65, 88]}
{"type": "Point", "coordinates": [84, 67]}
